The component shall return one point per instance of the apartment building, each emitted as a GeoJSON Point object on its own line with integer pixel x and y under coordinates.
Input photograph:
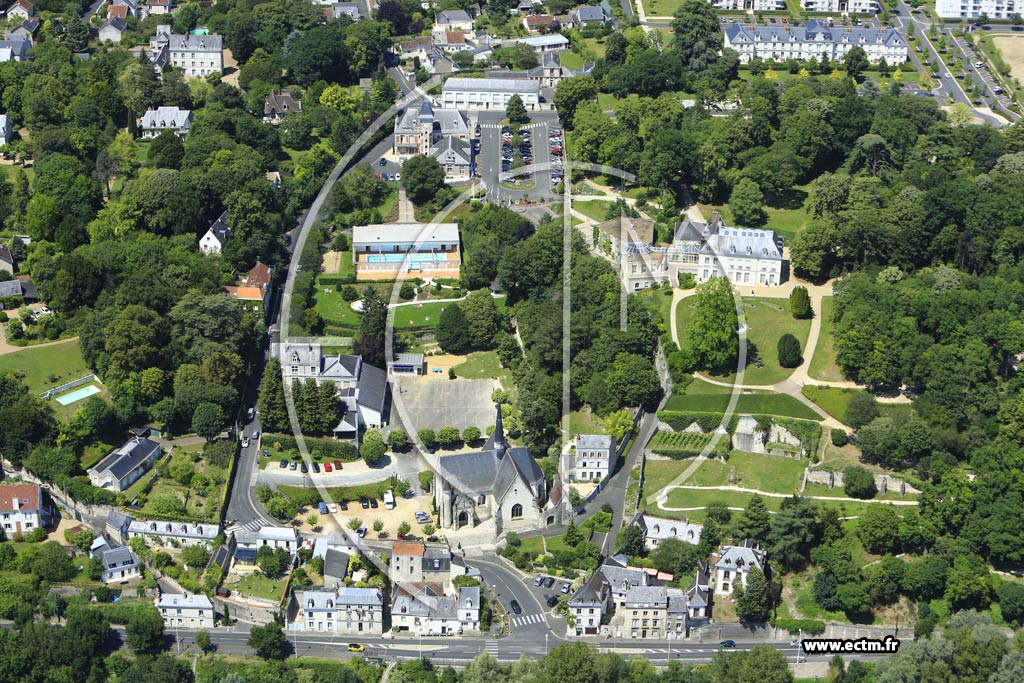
{"type": "Point", "coordinates": [841, 6]}
{"type": "Point", "coordinates": [589, 457]}
{"type": "Point", "coordinates": [196, 55]}
{"type": "Point", "coordinates": [489, 93]}
{"type": "Point", "coordinates": [343, 610]}
{"type": "Point", "coordinates": [186, 610]}
{"type": "Point", "coordinates": [180, 534]}
{"type": "Point", "coordinates": [814, 40]}
{"type": "Point", "coordinates": [972, 9]}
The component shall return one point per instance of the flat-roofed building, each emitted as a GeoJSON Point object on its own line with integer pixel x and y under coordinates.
{"type": "Point", "coordinates": [382, 251]}
{"type": "Point", "coordinates": [489, 93]}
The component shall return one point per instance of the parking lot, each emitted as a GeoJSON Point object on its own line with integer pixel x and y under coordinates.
{"type": "Point", "coordinates": [976, 63]}
{"type": "Point", "coordinates": [503, 150]}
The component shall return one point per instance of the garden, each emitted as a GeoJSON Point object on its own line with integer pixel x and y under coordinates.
{"type": "Point", "coordinates": [188, 484]}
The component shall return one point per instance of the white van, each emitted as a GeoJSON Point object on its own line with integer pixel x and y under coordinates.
{"type": "Point", "coordinates": [389, 500]}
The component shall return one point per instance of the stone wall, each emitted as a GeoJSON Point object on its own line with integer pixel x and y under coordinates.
{"type": "Point", "coordinates": [832, 479]}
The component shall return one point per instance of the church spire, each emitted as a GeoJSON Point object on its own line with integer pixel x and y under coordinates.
{"type": "Point", "coordinates": [499, 434]}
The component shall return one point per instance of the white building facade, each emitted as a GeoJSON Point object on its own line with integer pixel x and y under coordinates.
{"type": "Point", "coordinates": [814, 41]}
{"type": "Point", "coordinates": [972, 9]}
{"type": "Point", "coordinates": [186, 610]}
{"type": "Point", "coordinates": [179, 534]}
{"type": "Point", "coordinates": [345, 610]}
{"type": "Point", "coordinates": [732, 565]}
{"type": "Point", "coordinates": [841, 6]}
{"type": "Point", "coordinates": [489, 93]}
{"type": "Point", "coordinates": [590, 457]}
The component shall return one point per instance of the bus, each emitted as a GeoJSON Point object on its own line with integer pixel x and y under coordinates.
{"type": "Point", "coordinates": [389, 500]}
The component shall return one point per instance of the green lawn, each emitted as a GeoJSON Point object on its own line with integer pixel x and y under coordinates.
{"type": "Point", "coordinates": [831, 399]}
{"type": "Point", "coordinates": [595, 209]}
{"type": "Point", "coordinates": [335, 311]}
{"type": "Point", "coordinates": [786, 222]}
{"type": "Point", "coordinates": [258, 585]}
{"type": "Point", "coordinates": [425, 316]}
{"type": "Point", "coordinates": [9, 171]}
{"type": "Point", "coordinates": [751, 470]}
{"type": "Point", "coordinates": [584, 422]}
{"type": "Point", "coordinates": [483, 365]}
{"type": "Point", "coordinates": [752, 403]}
{"type": "Point", "coordinates": [767, 320]}
{"type": "Point", "coordinates": [735, 499]}
{"type": "Point", "coordinates": [534, 545]}
{"type": "Point", "coordinates": [571, 60]}
{"type": "Point", "coordinates": [823, 364]}
{"type": "Point", "coordinates": [44, 367]}
{"type": "Point", "coordinates": [350, 493]}
{"type": "Point", "coordinates": [661, 299]}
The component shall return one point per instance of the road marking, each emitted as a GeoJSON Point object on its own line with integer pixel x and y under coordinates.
{"type": "Point", "coordinates": [491, 646]}
{"type": "Point", "coordinates": [528, 619]}
{"type": "Point", "coordinates": [252, 525]}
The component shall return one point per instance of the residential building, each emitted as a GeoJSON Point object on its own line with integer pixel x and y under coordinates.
{"type": "Point", "coordinates": [589, 457]}
{"type": "Point", "coordinates": [156, 7]}
{"type": "Point", "coordinates": [196, 55]}
{"type": "Point", "coordinates": [972, 9]}
{"type": "Point", "coordinates": [629, 243]}
{"type": "Point", "coordinates": [732, 563]}
{"type": "Point", "coordinates": [622, 579]}
{"type": "Point", "coordinates": [428, 614]}
{"type": "Point", "coordinates": [14, 48]}
{"type": "Point", "coordinates": [186, 610]}
{"type": "Point", "coordinates": [119, 563]}
{"type": "Point", "coordinates": [414, 562]}
{"type": "Point", "coordinates": [750, 5]}
{"type": "Point", "coordinates": [586, 16]}
{"type": "Point", "coordinates": [698, 596]}
{"type": "Point", "coordinates": [272, 536]}
{"type": "Point", "coordinates": [7, 263]}
{"type": "Point", "coordinates": [353, 10]}
{"type": "Point", "coordinates": [451, 41]}
{"type": "Point", "coordinates": [362, 387]}
{"type": "Point", "coordinates": [253, 290]}
{"type": "Point", "coordinates": [550, 71]}
{"type": "Point", "coordinates": [551, 42]}
{"type": "Point", "coordinates": [112, 30]}
{"type": "Point", "coordinates": [278, 104]}
{"type": "Point", "coordinates": [453, 20]}
{"type": "Point", "coordinates": [538, 22]}
{"type": "Point", "coordinates": [420, 131]}
{"type": "Point", "coordinates": [214, 239]}
{"type": "Point", "coordinates": [455, 157]}
{"type": "Point", "coordinates": [489, 93]}
{"type": "Point", "coordinates": [26, 28]}
{"type": "Point", "coordinates": [177, 534]}
{"type": "Point", "coordinates": [500, 486]}
{"type": "Point", "coordinates": [335, 567]}
{"type": "Point", "coordinates": [123, 466]}
{"type": "Point", "coordinates": [742, 255]}
{"type": "Point", "coordinates": [23, 509]}
{"type": "Point", "coordinates": [589, 605]}
{"type": "Point", "coordinates": [814, 40]}
{"type": "Point", "coordinates": [384, 251]}
{"type": "Point", "coordinates": [842, 6]}
{"type": "Point", "coordinates": [659, 529]}
{"type": "Point", "coordinates": [19, 9]}
{"type": "Point", "coordinates": [156, 121]}
{"type": "Point", "coordinates": [122, 9]}
{"type": "Point", "coordinates": [343, 610]}
{"type": "Point", "coordinates": [18, 287]}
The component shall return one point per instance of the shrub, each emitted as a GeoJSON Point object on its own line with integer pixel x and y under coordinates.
{"type": "Point", "coordinates": [448, 436]}
{"type": "Point", "coordinates": [349, 293]}
{"type": "Point", "coordinates": [428, 437]}
{"type": "Point", "coordinates": [406, 291]}
{"type": "Point", "coordinates": [858, 482]}
{"type": "Point", "coordinates": [810, 627]}
{"type": "Point", "coordinates": [789, 351]}
{"type": "Point", "coordinates": [800, 303]}
{"type": "Point", "coordinates": [840, 437]}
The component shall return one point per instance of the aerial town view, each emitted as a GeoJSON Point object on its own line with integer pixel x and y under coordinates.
{"type": "Point", "coordinates": [449, 341]}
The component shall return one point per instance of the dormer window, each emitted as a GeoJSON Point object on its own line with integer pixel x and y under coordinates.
{"type": "Point", "coordinates": [309, 603]}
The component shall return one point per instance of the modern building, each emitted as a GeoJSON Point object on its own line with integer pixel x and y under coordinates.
{"type": "Point", "coordinates": [425, 613]}
{"type": "Point", "coordinates": [186, 610]}
{"type": "Point", "coordinates": [177, 534]}
{"type": "Point", "coordinates": [125, 465]}
{"type": "Point", "coordinates": [489, 93]}
{"type": "Point", "coordinates": [814, 40]}
{"type": "Point", "coordinates": [214, 239]}
{"type": "Point", "coordinates": [972, 9]}
{"type": "Point", "coordinates": [196, 55]}
{"type": "Point", "coordinates": [589, 457]}
{"type": "Point", "coordinates": [842, 6]}
{"type": "Point", "coordinates": [659, 529]}
{"type": "Point", "coordinates": [501, 485]}
{"type": "Point", "coordinates": [156, 121]}
{"type": "Point", "coordinates": [732, 563]}
{"type": "Point", "coordinates": [253, 290]}
{"type": "Point", "coordinates": [362, 387]}
{"type": "Point", "coordinates": [343, 610]}
{"type": "Point", "coordinates": [278, 104]}
{"type": "Point", "coordinates": [408, 364]}
{"type": "Point", "coordinates": [418, 131]}
{"type": "Point", "coordinates": [23, 509]}
{"type": "Point", "coordinates": [384, 251]}
{"type": "Point", "coordinates": [552, 42]}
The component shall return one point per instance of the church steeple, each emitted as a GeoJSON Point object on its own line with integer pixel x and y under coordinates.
{"type": "Point", "coordinates": [499, 434]}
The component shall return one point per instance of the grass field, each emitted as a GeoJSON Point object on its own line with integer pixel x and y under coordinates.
{"type": "Point", "coordinates": [692, 498]}
{"type": "Point", "coordinates": [787, 222]}
{"type": "Point", "coordinates": [755, 404]}
{"type": "Point", "coordinates": [258, 585]}
{"type": "Point", "coordinates": [335, 311]}
{"type": "Point", "coordinates": [43, 367]}
{"type": "Point", "coordinates": [750, 470]}
{"type": "Point", "coordinates": [661, 8]}
{"type": "Point", "coordinates": [823, 364]}
{"type": "Point", "coordinates": [571, 60]}
{"type": "Point", "coordinates": [767, 319]}
{"type": "Point", "coordinates": [483, 365]}
{"type": "Point", "coordinates": [584, 422]}
{"type": "Point", "coordinates": [592, 208]}
{"type": "Point", "coordinates": [832, 400]}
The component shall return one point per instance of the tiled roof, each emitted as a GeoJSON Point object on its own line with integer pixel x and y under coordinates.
{"type": "Point", "coordinates": [29, 497]}
{"type": "Point", "coordinates": [408, 548]}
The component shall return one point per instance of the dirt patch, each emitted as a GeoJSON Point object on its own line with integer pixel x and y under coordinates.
{"type": "Point", "coordinates": [443, 362]}
{"type": "Point", "coordinates": [230, 73]}
{"type": "Point", "coordinates": [1012, 50]}
{"type": "Point", "coordinates": [331, 262]}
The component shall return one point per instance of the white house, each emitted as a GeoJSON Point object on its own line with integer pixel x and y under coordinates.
{"type": "Point", "coordinates": [22, 509]}
{"type": "Point", "coordinates": [589, 605]}
{"type": "Point", "coordinates": [841, 6]}
{"type": "Point", "coordinates": [344, 610]}
{"type": "Point", "coordinates": [733, 563]}
{"type": "Point", "coordinates": [196, 55]}
{"type": "Point", "coordinates": [453, 20]}
{"type": "Point", "coordinates": [489, 93]}
{"type": "Point", "coordinates": [5, 129]}
{"type": "Point", "coordinates": [179, 534]}
{"type": "Point", "coordinates": [119, 564]}
{"type": "Point", "coordinates": [20, 9]}
{"type": "Point", "coordinates": [589, 457]}
{"type": "Point", "coordinates": [427, 614]}
{"type": "Point", "coordinates": [588, 15]}
{"type": "Point", "coordinates": [742, 255]}
{"type": "Point", "coordinates": [750, 5]}
{"type": "Point", "coordinates": [214, 239]}
{"type": "Point", "coordinates": [156, 121]}
{"type": "Point", "coordinates": [658, 529]}
{"type": "Point", "coordinates": [186, 610]}
{"type": "Point", "coordinates": [551, 42]}
{"type": "Point", "coordinates": [123, 466]}
{"type": "Point", "coordinates": [814, 40]}
{"type": "Point", "coordinates": [972, 9]}
{"type": "Point", "coordinates": [112, 30]}
{"type": "Point", "coordinates": [272, 536]}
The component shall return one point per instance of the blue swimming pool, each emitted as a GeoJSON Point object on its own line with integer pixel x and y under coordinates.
{"type": "Point", "coordinates": [399, 258]}
{"type": "Point", "coordinates": [78, 394]}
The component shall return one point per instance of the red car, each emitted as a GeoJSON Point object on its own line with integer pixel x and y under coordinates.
{"type": "Point", "coordinates": [337, 464]}
{"type": "Point", "coordinates": [327, 467]}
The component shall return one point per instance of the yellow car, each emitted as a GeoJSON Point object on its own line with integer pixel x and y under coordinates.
{"type": "Point", "coordinates": [356, 647]}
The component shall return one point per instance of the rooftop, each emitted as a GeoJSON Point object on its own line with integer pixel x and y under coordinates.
{"type": "Point", "coordinates": [409, 233]}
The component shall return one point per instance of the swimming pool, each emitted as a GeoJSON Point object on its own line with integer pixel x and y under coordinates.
{"type": "Point", "coordinates": [399, 258]}
{"type": "Point", "coordinates": [78, 395]}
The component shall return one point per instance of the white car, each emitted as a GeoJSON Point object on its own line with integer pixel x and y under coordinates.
{"type": "Point", "coordinates": [333, 507]}
{"type": "Point", "coordinates": [245, 442]}
{"type": "Point", "coordinates": [44, 310]}
{"type": "Point", "coordinates": [398, 176]}
{"type": "Point", "coordinates": [949, 75]}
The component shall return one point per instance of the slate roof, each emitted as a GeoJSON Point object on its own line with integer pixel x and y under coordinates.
{"type": "Point", "coordinates": [812, 31]}
{"type": "Point", "coordinates": [118, 557]}
{"type": "Point", "coordinates": [220, 228]}
{"type": "Point", "coordinates": [14, 48]}
{"type": "Point", "coordinates": [342, 596]}
{"type": "Point", "coordinates": [119, 521]}
{"type": "Point", "coordinates": [373, 387]}
{"type": "Point", "coordinates": [177, 529]}
{"type": "Point", "coordinates": [30, 25]}
{"type": "Point", "coordinates": [618, 576]}
{"type": "Point", "coordinates": [588, 13]}
{"type": "Point", "coordinates": [496, 85]}
{"type": "Point", "coordinates": [198, 43]}
{"type": "Point", "coordinates": [184, 600]}
{"type": "Point", "coordinates": [18, 288]}
{"type": "Point", "coordinates": [116, 23]}
{"type": "Point", "coordinates": [452, 151]}
{"type": "Point", "coordinates": [450, 16]}
{"type": "Point", "coordinates": [591, 593]}
{"type": "Point", "coordinates": [127, 457]}
{"type": "Point", "coordinates": [660, 528]}
{"type": "Point", "coordinates": [715, 238]}
{"type": "Point", "coordinates": [5, 251]}
{"type": "Point", "coordinates": [646, 595]}
{"type": "Point", "coordinates": [593, 441]}
{"type": "Point", "coordinates": [415, 359]}
{"type": "Point", "coordinates": [280, 102]}
{"type": "Point", "coordinates": [469, 597]}
{"type": "Point", "coordinates": [744, 556]}
{"type": "Point", "coordinates": [335, 563]}
{"type": "Point", "coordinates": [166, 118]}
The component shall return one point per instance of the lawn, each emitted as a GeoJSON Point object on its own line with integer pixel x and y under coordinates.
{"type": "Point", "coordinates": [534, 545]}
{"type": "Point", "coordinates": [571, 60]}
{"type": "Point", "coordinates": [348, 493]}
{"type": "Point", "coordinates": [691, 498]}
{"type": "Point", "coordinates": [752, 403]}
{"type": "Point", "coordinates": [831, 399]}
{"type": "Point", "coordinates": [767, 319]}
{"type": "Point", "coordinates": [595, 209]}
{"type": "Point", "coordinates": [9, 170]}
{"type": "Point", "coordinates": [661, 299]}
{"type": "Point", "coordinates": [823, 364]}
{"type": "Point", "coordinates": [787, 222]}
{"type": "Point", "coordinates": [425, 316]}
{"type": "Point", "coordinates": [335, 311]}
{"type": "Point", "coordinates": [44, 367]}
{"type": "Point", "coordinates": [258, 585]}
{"type": "Point", "coordinates": [584, 422]}
{"type": "Point", "coordinates": [483, 365]}
{"type": "Point", "coordinates": [750, 470]}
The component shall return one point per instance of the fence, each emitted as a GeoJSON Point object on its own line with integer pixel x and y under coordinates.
{"type": "Point", "coordinates": [68, 385]}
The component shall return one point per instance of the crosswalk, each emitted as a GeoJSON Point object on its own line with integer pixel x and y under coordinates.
{"type": "Point", "coordinates": [497, 126]}
{"type": "Point", "coordinates": [251, 525]}
{"type": "Point", "coordinates": [526, 620]}
{"type": "Point", "coordinates": [491, 646]}
{"type": "Point", "coordinates": [675, 650]}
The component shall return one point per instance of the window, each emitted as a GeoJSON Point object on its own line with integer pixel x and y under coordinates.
{"type": "Point", "coordinates": [517, 511]}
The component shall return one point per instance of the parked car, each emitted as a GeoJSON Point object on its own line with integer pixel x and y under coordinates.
{"type": "Point", "coordinates": [566, 587]}
{"type": "Point", "coordinates": [383, 161]}
{"type": "Point", "coordinates": [552, 600]}
{"type": "Point", "coordinates": [364, 502]}
{"type": "Point", "coordinates": [245, 442]}
{"type": "Point", "coordinates": [538, 581]}
{"type": "Point", "coordinates": [337, 464]}
{"type": "Point", "coordinates": [344, 506]}
{"type": "Point", "coordinates": [266, 452]}
{"type": "Point", "coordinates": [316, 468]}
{"type": "Point", "coordinates": [327, 467]}
{"type": "Point", "coordinates": [304, 468]}
{"type": "Point", "coordinates": [321, 507]}
{"type": "Point", "coordinates": [293, 465]}
{"type": "Point", "coordinates": [333, 507]}
{"type": "Point", "coordinates": [284, 464]}
{"type": "Point", "coordinates": [514, 606]}
{"type": "Point", "coordinates": [549, 582]}
{"type": "Point", "coordinates": [255, 434]}
{"type": "Point", "coordinates": [373, 503]}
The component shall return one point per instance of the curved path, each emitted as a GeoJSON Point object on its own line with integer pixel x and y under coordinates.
{"type": "Point", "coordinates": [663, 496]}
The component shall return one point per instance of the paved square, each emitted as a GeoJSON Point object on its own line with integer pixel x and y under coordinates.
{"type": "Point", "coordinates": [435, 402]}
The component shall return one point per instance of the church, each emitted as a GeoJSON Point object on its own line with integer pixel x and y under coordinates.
{"type": "Point", "coordinates": [500, 486]}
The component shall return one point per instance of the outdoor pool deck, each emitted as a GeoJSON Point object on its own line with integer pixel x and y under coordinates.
{"type": "Point", "coordinates": [78, 395]}
{"type": "Point", "coordinates": [388, 266]}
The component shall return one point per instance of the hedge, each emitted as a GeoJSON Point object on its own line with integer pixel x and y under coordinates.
{"type": "Point", "coordinates": [342, 450]}
{"type": "Point", "coordinates": [680, 420]}
{"type": "Point", "coordinates": [810, 627]}
{"type": "Point", "coordinates": [336, 280]}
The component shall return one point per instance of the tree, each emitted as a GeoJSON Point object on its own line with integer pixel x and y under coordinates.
{"type": "Point", "coordinates": [618, 424]}
{"type": "Point", "coordinates": [145, 630]}
{"type": "Point", "coordinates": [632, 381]}
{"type": "Point", "coordinates": [208, 420]}
{"type": "Point", "coordinates": [859, 482]}
{"type": "Point", "coordinates": [482, 318]}
{"type": "Point", "coordinates": [573, 537]}
{"type": "Point", "coordinates": [879, 529]}
{"type": "Point", "coordinates": [448, 436]}
{"type": "Point", "coordinates": [470, 434]}
{"type": "Point", "coordinates": [515, 110]}
{"type": "Point", "coordinates": [1011, 602]}
{"type": "Point", "coordinates": [569, 93]}
{"type": "Point", "coordinates": [453, 332]}
{"type": "Point", "coordinates": [697, 36]}
{"type": "Point", "coordinates": [788, 350]}
{"type": "Point", "coordinates": [195, 556]}
{"type": "Point", "coordinates": [862, 409]}
{"type": "Point", "coordinates": [378, 525]}
{"type": "Point", "coordinates": [397, 439]}
{"type": "Point", "coordinates": [800, 303]}
{"type": "Point", "coordinates": [427, 437]}
{"type": "Point", "coordinates": [423, 178]}
{"type": "Point", "coordinates": [404, 528]}
{"type": "Point", "coordinates": [712, 335]}
{"type": "Point", "coordinates": [633, 541]}
{"type": "Point", "coordinates": [203, 641]}
{"type": "Point", "coordinates": [268, 641]}
{"type": "Point", "coordinates": [271, 562]}
{"type": "Point", "coordinates": [676, 557]}
{"type": "Point", "coordinates": [755, 522]}
{"type": "Point", "coordinates": [796, 530]}
{"type": "Point", "coordinates": [166, 150]}
{"type": "Point", "coordinates": [747, 204]}
{"type": "Point", "coordinates": [372, 448]}
{"type": "Point", "coordinates": [855, 62]}
{"type": "Point", "coordinates": [754, 603]}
